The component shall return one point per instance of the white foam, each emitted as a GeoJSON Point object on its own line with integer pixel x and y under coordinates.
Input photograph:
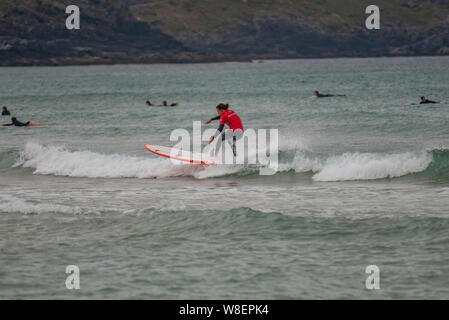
{"type": "Point", "coordinates": [56, 160]}
{"type": "Point", "coordinates": [369, 166]}
{"type": "Point", "coordinates": [218, 170]}
{"type": "Point", "coordinates": [13, 204]}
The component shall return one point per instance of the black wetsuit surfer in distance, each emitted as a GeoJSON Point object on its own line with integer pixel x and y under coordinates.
{"type": "Point", "coordinates": [424, 101]}
{"type": "Point", "coordinates": [17, 123]}
{"type": "Point", "coordinates": [5, 112]}
{"type": "Point", "coordinates": [321, 95]}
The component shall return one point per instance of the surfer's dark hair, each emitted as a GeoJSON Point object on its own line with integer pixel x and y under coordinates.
{"type": "Point", "coordinates": [223, 106]}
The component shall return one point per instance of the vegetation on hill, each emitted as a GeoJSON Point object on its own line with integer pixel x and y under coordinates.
{"type": "Point", "coordinates": [33, 32]}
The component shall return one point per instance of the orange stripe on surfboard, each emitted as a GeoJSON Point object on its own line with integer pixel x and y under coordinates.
{"type": "Point", "coordinates": [155, 151]}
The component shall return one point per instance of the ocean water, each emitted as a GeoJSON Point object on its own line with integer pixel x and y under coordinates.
{"type": "Point", "coordinates": [363, 180]}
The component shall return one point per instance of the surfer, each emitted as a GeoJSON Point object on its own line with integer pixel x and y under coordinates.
{"type": "Point", "coordinates": [234, 122]}
{"type": "Point", "coordinates": [424, 101]}
{"type": "Point", "coordinates": [173, 104]}
{"type": "Point", "coordinates": [5, 112]}
{"type": "Point", "coordinates": [148, 103]}
{"type": "Point", "coordinates": [17, 123]}
{"type": "Point", "coordinates": [321, 95]}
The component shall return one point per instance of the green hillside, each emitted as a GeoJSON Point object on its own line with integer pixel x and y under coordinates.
{"type": "Point", "coordinates": [178, 17]}
{"type": "Point", "coordinates": [32, 32]}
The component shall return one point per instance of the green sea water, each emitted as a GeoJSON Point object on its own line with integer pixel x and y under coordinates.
{"type": "Point", "coordinates": [363, 180]}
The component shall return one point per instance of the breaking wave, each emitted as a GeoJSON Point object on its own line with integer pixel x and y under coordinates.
{"type": "Point", "coordinates": [56, 160]}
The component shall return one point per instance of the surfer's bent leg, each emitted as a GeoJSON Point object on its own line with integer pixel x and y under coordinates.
{"type": "Point", "coordinates": [232, 136]}
{"type": "Point", "coordinates": [236, 135]}
{"type": "Point", "coordinates": [219, 143]}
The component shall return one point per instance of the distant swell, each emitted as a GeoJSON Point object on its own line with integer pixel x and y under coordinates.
{"type": "Point", "coordinates": [54, 160]}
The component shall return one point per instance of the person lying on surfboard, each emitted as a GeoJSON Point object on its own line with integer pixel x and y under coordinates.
{"type": "Point", "coordinates": [234, 122]}
{"type": "Point", "coordinates": [321, 95]}
{"type": "Point", "coordinates": [17, 123]}
{"type": "Point", "coordinates": [424, 100]}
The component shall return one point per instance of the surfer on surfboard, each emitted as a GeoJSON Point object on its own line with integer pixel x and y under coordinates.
{"type": "Point", "coordinates": [322, 95]}
{"type": "Point", "coordinates": [234, 122]}
{"type": "Point", "coordinates": [17, 123]}
{"type": "Point", "coordinates": [424, 100]}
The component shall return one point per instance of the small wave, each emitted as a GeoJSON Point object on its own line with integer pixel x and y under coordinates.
{"type": "Point", "coordinates": [56, 160]}
{"type": "Point", "coordinates": [439, 168]}
{"type": "Point", "coordinates": [12, 204]}
{"type": "Point", "coordinates": [369, 166]}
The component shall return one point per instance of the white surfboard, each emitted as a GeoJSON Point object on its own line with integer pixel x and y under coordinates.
{"type": "Point", "coordinates": [182, 155]}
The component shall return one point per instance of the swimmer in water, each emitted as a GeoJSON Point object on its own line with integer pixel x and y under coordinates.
{"type": "Point", "coordinates": [148, 103]}
{"type": "Point", "coordinates": [321, 95]}
{"type": "Point", "coordinates": [425, 101]}
{"type": "Point", "coordinates": [5, 111]}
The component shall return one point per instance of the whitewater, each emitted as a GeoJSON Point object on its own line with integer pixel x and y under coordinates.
{"type": "Point", "coordinates": [58, 161]}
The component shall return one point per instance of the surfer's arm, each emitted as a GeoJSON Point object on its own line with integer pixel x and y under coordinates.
{"type": "Point", "coordinates": [212, 119]}
{"type": "Point", "coordinates": [7, 125]}
{"type": "Point", "coordinates": [219, 130]}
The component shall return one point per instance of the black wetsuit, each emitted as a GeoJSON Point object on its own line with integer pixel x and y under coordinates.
{"type": "Point", "coordinates": [223, 137]}
{"type": "Point", "coordinates": [17, 124]}
{"type": "Point", "coordinates": [320, 95]}
{"type": "Point", "coordinates": [6, 113]}
{"type": "Point", "coordinates": [220, 127]}
{"type": "Point", "coordinates": [427, 101]}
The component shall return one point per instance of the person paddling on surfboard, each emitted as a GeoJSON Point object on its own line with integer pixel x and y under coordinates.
{"type": "Point", "coordinates": [424, 100]}
{"type": "Point", "coordinates": [17, 123]}
{"type": "Point", "coordinates": [234, 122]}
{"type": "Point", "coordinates": [321, 95]}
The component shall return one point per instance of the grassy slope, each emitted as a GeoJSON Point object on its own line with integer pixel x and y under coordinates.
{"type": "Point", "coordinates": [179, 17]}
{"type": "Point", "coordinates": [127, 30]}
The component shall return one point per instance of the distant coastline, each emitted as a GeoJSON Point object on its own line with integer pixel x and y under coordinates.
{"type": "Point", "coordinates": [180, 31]}
{"type": "Point", "coordinates": [178, 59]}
